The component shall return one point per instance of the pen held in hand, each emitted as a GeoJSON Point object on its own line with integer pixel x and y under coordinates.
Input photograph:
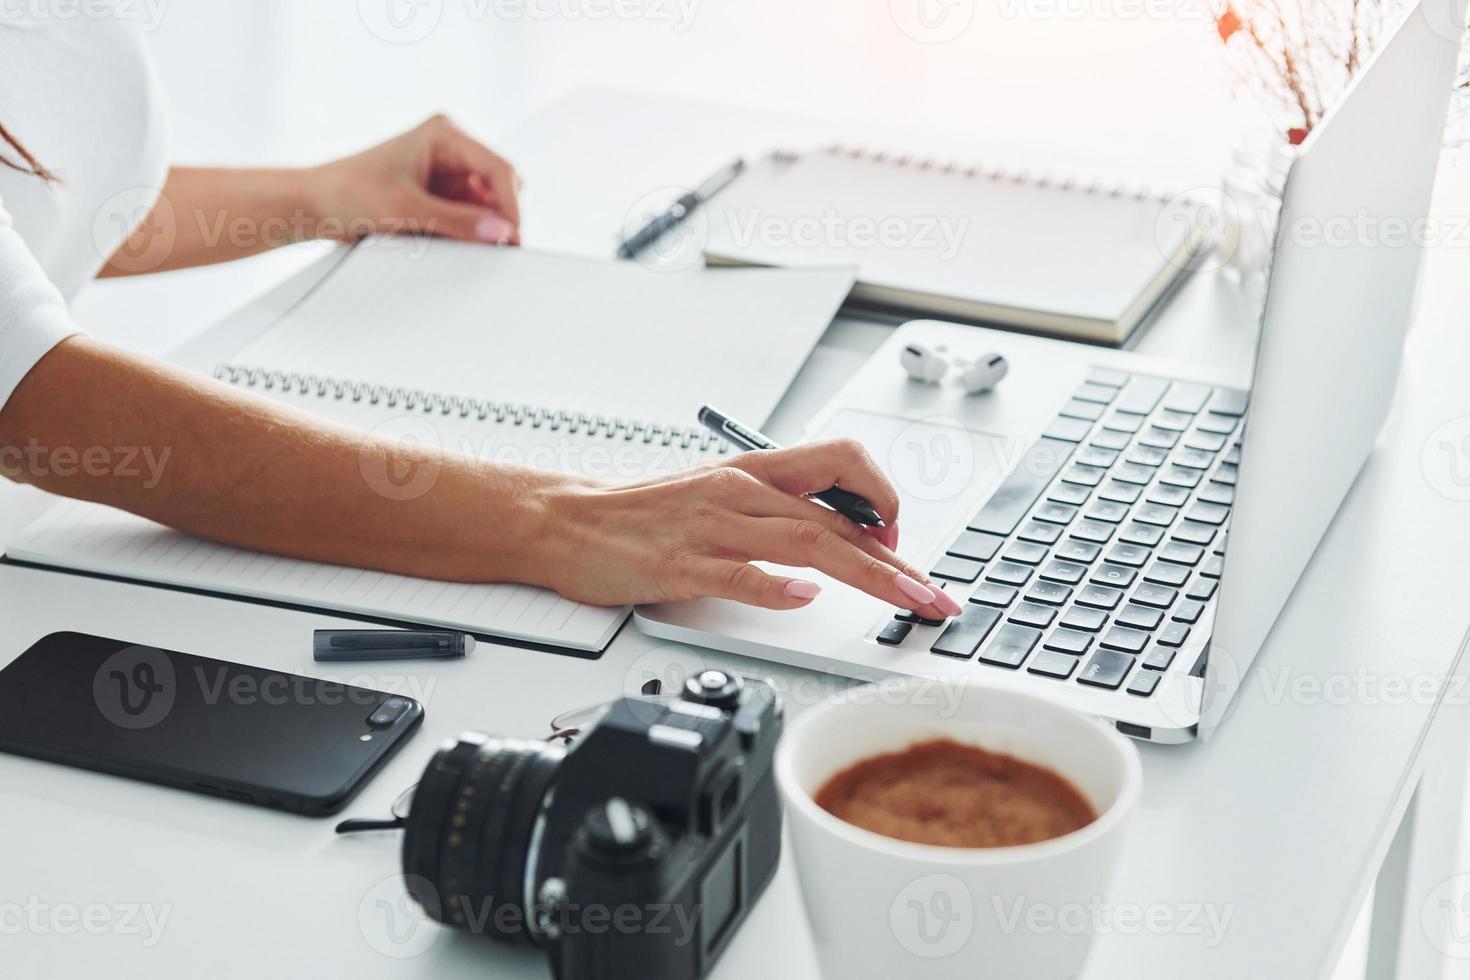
{"type": "Point", "coordinates": [850, 505]}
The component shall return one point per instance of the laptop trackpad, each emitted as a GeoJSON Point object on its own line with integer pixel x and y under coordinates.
{"type": "Point", "coordinates": [942, 471]}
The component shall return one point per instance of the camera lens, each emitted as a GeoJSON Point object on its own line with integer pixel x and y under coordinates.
{"type": "Point", "coordinates": [469, 847]}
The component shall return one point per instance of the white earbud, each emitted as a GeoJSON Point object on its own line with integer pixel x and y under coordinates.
{"type": "Point", "coordinates": [930, 365]}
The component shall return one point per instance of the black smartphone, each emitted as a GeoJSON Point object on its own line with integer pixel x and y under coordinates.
{"type": "Point", "coordinates": [243, 733]}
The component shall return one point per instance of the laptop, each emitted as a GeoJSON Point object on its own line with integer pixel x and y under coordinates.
{"type": "Point", "coordinates": [1122, 530]}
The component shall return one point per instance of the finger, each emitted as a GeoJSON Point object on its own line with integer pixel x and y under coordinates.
{"type": "Point", "coordinates": [821, 466]}
{"type": "Point", "coordinates": [745, 583]}
{"type": "Point", "coordinates": [457, 150]}
{"type": "Point", "coordinates": [461, 221]}
{"type": "Point", "coordinates": [813, 544]}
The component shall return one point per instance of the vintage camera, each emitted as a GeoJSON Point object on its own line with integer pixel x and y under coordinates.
{"type": "Point", "coordinates": [634, 853]}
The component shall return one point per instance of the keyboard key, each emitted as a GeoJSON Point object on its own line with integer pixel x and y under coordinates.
{"type": "Point", "coordinates": [1085, 410]}
{"type": "Point", "coordinates": [1090, 392]}
{"type": "Point", "coordinates": [1164, 573]}
{"type": "Point", "coordinates": [1097, 456]}
{"type": "Point", "coordinates": [1159, 658]}
{"type": "Point", "coordinates": [1211, 568]}
{"type": "Point", "coordinates": [1033, 614]}
{"type": "Point", "coordinates": [1156, 514]}
{"type": "Point", "coordinates": [1173, 421]}
{"type": "Point", "coordinates": [1069, 493]}
{"type": "Point", "coordinates": [1217, 493]}
{"type": "Point", "coordinates": [1148, 455]}
{"type": "Point", "coordinates": [1106, 668]}
{"type": "Point", "coordinates": [1107, 510]}
{"type": "Point", "coordinates": [976, 545]}
{"type": "Point", "coordinates": [1208, 442]}
{"type": "Point", "coordinates": [1092, 531]}
{"type": "Point", "coordinates": [1069, 641]}
{"type": "Point", "coordinates": [1109, 438]}
{"type": "Point", "coordinates": [1129, 554]}
{"type": "Point", "coordinates": [1053, 664]}
{"type": "Point", "coordinates": [1067, 572]}
{"type": "Point", "coordinates": [1229, 401]}
{"type": "Point", "coordinates": [1078, 618]}
{"type": "Point", "coordinates": [1226, 473]}
{"type": "Point", "coordinates": [1127, 640]}
{"type": "Point", "coordinates": [964, 634]}
{"type": "Point", "coordinates": [1233, 456]}
{"type": "Point", "coordinates": [1119, 422]}
{"type": "Point", "coordinates": [915, 619]}
{"type": "Point", "coordinates": [1208, 513]}
{"type": "Point", "coordinates": [1158, 596]}
{"type": "Point", "coordinates": [1180, 476]}
{"type": "Point", "coordinates": [1068, 430]}
{"type": "Point", "coordinates": [993, 594]}
{"type": "Point", "coordinates": [1141, 395]}
{"type": "Point", "coordinates": [1181, 553]}
{"type": "Point", "coordinates": [1185, 397]}
{"type": "Point", "coordinates": [1216, 423]}
{"type": "Point", "coordinates": [1194, 459]}
{"type": "Point", "coordinates": [1054, 512]}
{"type": "Point", "coordinates": [1040, 531]}
{"type": "Point", "coordinates": [1010, 646]}
{"type": "Point", "coordinates": [1162, 493]}
{"type": "Point", "coordinates": [1146, 535]}
{"type": "Point", "coordinates": [1025, 552]}
{"type": "Point", "coordinates": [1203, 589]}
{"type": "Point", "coordinates": [1088, 476]}
{"type": "Point", "coordinates": [1189, 611]}
{"type": "Point", "coordinates": [1173, 635]}
{"type": "Point", "coordinates": [1118, 576]}
{"type": "Point", "coordinates": [1158, 437]}
{"type": "Point", "coordinates": [1195, 532]}
{"type": "Point", "coordinates": [1219, 547]}
{"type": "Point", "coordinates": [1139, 617]}
{"type": "Point", "coordinates": [1133, 473]}
{"type": "Point", "coordinates": [1009, 573]}
{"type": "Point", "coordinates": [1143, 684]}
{"type": "Point", "coordinates": [1108, 377]}
{"type": "Point", "coordinates": [1125, 493]}
{"type": "Point", "coordinates": [1014, 497]}
{"type": "Point", "coordinates": [957, 569]}
{"type": "Point", "coordinates": [1099, 596]}
{"type": "Point", "coordinates": [894, 633]}
{"type": "Point", "coordinates": [1074, 550]}
{"type": "Point", "coordinates": [1051, 593]}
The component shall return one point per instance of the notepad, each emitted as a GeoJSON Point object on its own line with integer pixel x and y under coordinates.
{"type": "Point", "coordinates": [1048, 253]}
{"type": "Point", "coordinates": [564, 364]}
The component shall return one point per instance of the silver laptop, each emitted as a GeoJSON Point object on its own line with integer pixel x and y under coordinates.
{"type": "Point", "coordinates": [1081, 512]}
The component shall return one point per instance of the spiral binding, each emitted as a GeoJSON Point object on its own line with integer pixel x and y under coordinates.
{"type": "Point", "coordinates": [480, 409]}
{"type": "Point", "coordinates": [998, 173]}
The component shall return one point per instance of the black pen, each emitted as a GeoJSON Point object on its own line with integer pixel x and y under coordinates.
{"type": "Point", "coordinates": [678, 211]}
{"type": "Point", "coordinates": [845, 502]}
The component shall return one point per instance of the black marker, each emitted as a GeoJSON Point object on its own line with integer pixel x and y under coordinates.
{"type": "Point", "coordinates": [353, 646]}
{"type": "Point", "coordinates": [845, 502]}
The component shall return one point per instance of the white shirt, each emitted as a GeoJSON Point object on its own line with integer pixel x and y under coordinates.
{"type": "Point", "coordinates": [81, 94]}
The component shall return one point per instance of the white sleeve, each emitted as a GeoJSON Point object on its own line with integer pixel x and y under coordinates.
{"type": "Point", "coordinates": [33, 315]}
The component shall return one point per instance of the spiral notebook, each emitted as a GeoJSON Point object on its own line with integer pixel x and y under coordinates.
{"type": "Point", "coordinates": [574, 365]}
{"type": "Point", "coordinates": [1048, 253]}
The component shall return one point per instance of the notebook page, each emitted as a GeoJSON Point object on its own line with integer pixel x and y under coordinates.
{"type": "Point", "coordinates": [608, 338]}
{"type": "Point", "coordinates": [89, 537]}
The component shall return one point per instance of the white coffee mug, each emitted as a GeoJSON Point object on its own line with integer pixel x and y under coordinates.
{"type": "Point", "coordinates": [885, 908]}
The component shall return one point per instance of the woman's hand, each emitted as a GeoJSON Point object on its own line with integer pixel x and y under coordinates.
{"type": "Point", "coordinates": [696, 533]}
{"type": "Point", "coordinates": [434, 179]}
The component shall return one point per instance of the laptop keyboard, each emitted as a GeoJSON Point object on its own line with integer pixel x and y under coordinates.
{"type": "Point", "coordinates": [1101, 551]}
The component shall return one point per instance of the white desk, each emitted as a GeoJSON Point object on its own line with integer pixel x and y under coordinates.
{"type": "Point", "coordinates": [1281, 823]}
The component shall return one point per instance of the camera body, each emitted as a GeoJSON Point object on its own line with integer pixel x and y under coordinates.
{"type": "Point", "coordinates": [635, 853]}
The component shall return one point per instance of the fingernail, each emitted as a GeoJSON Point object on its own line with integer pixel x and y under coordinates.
{"type": "Point", "coordinates": [917, 591]}
{"type": "Point", "coordinates": [492, 228]}
{"type": "Point", "coordinates": [945, 604]}
{"type": "Point", "coordinates": [797, 589]}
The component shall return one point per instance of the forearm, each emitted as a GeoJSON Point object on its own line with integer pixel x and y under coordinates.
{"type": "Point", "coordinates": [207, 215]}
{"type": "Point", "coordinates": [98, 424]}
